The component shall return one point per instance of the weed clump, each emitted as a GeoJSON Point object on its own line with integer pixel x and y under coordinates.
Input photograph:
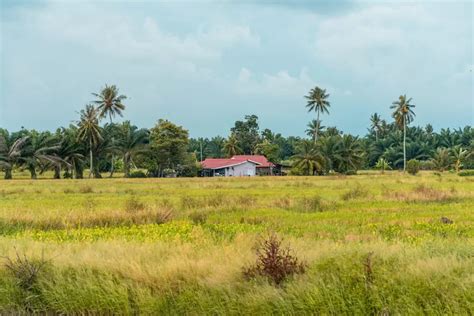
{"type": "Point", "coordinates": [311, 204]}
{"type": "Point", "coordinates": [132, 204]}
{"type": "Point", "coordinates": [198, 217]}
{"type": "Point", "coordinates": [274, 262]}
{"type": "Point", "coordinates": [355, 193]}
{"type": "Point", "coordinates": [24, 270]}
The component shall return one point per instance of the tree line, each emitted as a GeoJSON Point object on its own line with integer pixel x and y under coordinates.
{"type": "Point", "coordinates": [96, 144]}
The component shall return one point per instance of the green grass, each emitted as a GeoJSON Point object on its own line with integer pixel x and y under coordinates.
{"type": "Point", "coordinates": [179, 246]}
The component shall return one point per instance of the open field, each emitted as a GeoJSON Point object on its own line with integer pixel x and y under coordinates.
{"type": "Point", "coordinates": [174, 246]}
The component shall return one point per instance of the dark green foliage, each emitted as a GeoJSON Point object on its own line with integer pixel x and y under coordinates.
{"type": "Point", "coordinates": [466, 173]}
{"type": "Point", "coordinates": [137, 174]}
{"type": "Point", "coordinates": [413, 166]}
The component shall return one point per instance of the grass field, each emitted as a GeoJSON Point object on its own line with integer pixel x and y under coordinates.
{"type": "Point", "coordinates": [373, 244]}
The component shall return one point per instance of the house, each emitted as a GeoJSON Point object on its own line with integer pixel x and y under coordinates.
{"type": "Point", "coordinates": [237, 166]}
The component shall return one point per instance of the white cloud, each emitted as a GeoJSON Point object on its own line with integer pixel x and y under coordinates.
{"type": "Point", "coordinates": [279, 84]}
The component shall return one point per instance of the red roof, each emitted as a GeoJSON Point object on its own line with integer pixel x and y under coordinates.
{"type": "Point", "coordinates": [217, 163]}
{"type": "Point", "coordinates": [260, 159]}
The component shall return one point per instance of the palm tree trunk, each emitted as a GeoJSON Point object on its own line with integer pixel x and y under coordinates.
{"type": "Point", "coordinates": [404, 144]}
{"type": "Point", "coordinates": [317, 128]}
{"type": "Point", "coordinates": [8, 173]}
{"type": "Point", "coordinates": [126, 166]}
{"type": "Point", "coordinates": [91, 164]}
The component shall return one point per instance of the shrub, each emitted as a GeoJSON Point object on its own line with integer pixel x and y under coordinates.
{"type": "Point", "coordinates": [137, 174]}
{"type": "Point", "coordinates": [274, 262]}
{"type": "Point", "coordinates": [466, 173]}
{"type": "Point", "coordinates": [132, 204]}
{"type": "Point", "coordinates": [413, 166]}
{"type": "Point", "coordinates": [24, 270]}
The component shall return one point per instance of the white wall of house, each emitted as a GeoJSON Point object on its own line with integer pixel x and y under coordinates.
{"type": "Point", "coordinates": [242, 170]}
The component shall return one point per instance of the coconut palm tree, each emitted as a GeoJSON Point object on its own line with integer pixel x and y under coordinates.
{"type": "Point", "coordinates": [231, 146]}
{"type": "Point", "coordinates": [375, 124]}
{"type": "Point", "coordinates": [109, 103]}
{"type": "Point", "coordinates": [131, 143]}
{"type": "Point", "coordinates": [403, 115]}
{"type": "Point", "coordinates": [10, 151]}
{"type": "Point", "coordinates": [89, 130]}
{"type": "Point", "coordinates": [314, 128]}
{"type": "Point", "coordinates": [309, 159]}
{"type": "Point", "coordinates": [317, 101]}
{"type": "Point", "coordinates": [459, 155]}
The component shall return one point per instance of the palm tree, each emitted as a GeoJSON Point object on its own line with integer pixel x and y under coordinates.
{"type": "Point", "coordinates": [348, 155]}
{"type": "Point", "coordinates": [317, 101]}
{"type": "Point", "coordinates": [459, 155]}
{"type": "Point", "coordinates": [314, 127]}
{"type": "Point", "coordinates": [70, 152]}
{"type": "Point", "coordinates": [89, 130]}
{"type": "Point", "coordinates": [131, 143]}
{"type": "Point", "coordinates": [10, 151]}
{"type": "Point", "coordinates": [376, 124]}
{"type": "Point", "coordinates": [441, 159]}
{"type": "Point", "coordinates": [309, 159]}
{"type": "Point", "coordinates": [39, 152]}
{"type": "Point", "coordinates": [382, 165]}
{"type": "Point", "coordinates": [403, 115]}
{"type": "Point", "coordinates": [109, 103]}
{"type": "Point", "coordinates": [231, 146]}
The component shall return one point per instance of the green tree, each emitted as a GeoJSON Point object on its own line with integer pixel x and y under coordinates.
{"type": "Point", "coordinates": [314, 129]}
{"type": "Point", "coordinates": [231, 146]}
{"type": "Point", "coordinates": [89, 130]}
{"type": "Point", "coordinates": [382, 165]}
{"type": "Point", "coordinates": [131, 142]}
{"type": "Point", "coordinates": [348, 154]}
{"type": "Point", "coordinates": [376, 124]}
{"type": "Point", "coordinates": [317, 101]}
{"type": "Point", "coordinates": [168, 148]}
{"type": "Point", "coordinates": [71, 153]}
{"type": "Point", "coordinates": [246, 134]}
{"type": "Point", "coordinates": [308, 158]}
{"type": "Point", "coordinates": [269, 150]}
{"type": "Point", "coordinates": [109, 103]}
{"type": "Point", "coordinates": [403, 115]}
{"type": "Point", "coordinates": [39, 152]}
{"type": "Point", "coordinates": [441, 159]}
{"type": "Point", "coordinates": [459, 156]}
{"type": "Point", "coordinates": [10, 151]}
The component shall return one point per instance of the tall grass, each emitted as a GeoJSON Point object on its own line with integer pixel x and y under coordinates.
{"type": "Point", "coordinates": [372, 245]}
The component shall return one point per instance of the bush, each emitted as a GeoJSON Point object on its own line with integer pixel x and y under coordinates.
{"type": "Point", "coordinates": [274, 262]}
{"type": "Point", "coordinates": [413, 166]}
{"type": "Point", "coordinates": [466, 173]}
{"type": "Point", "coordinates": [137, 174]}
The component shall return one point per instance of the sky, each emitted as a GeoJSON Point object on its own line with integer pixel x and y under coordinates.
{"type": "Point", "coordinates": [206, 64]}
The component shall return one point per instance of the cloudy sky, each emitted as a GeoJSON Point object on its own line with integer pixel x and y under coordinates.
{"type": "Point", "coordinates": [206, 64]}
